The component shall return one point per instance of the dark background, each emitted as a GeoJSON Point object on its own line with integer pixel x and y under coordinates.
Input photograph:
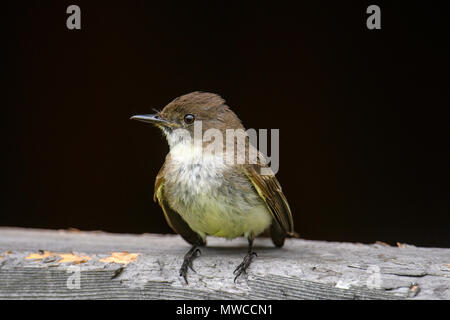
{"type": "Point", "coordinates": [363, 115]}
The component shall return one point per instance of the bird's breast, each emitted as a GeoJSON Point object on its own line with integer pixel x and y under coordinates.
{"type": "Point", "coordinates": [213, 197]}
{"type": "Point", "coordinates": [191, 178]}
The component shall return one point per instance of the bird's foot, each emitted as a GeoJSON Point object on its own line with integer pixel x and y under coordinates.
{"type": "Point", "coordinates": [189, 257]}
{"type": "Point", "coordinates": [242, 268]}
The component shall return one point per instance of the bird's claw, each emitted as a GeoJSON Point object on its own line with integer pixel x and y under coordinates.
{"type": "Point", "coordinates": [243, 266]}
{"type": "Point", "coordinates": [189, 257]}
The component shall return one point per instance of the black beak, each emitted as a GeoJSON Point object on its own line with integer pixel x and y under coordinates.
{"type": "Point", "coordinates": [151, 118]}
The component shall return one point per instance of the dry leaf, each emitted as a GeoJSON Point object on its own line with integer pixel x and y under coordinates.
{"type": "Point", "coordinates": [382, 243]}
{"type": "Point", "coordinates": [66, 257]}
{"type": "Point", "coordinates": [38, 256]}
{"type": "Point", "coordinates": [121, 257]}
{"type": "Point", "coordinates": [69, 257]}
{"type": "Point", "coordinates": [6, 253]}
{"type": "Point", "coordinates": [414, 290]}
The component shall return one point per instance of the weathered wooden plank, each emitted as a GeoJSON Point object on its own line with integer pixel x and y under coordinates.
{"type": "Point", "coordinates": [301, 270]}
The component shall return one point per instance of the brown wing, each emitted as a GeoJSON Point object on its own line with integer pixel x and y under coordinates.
{"type": "Point", "coordinates": [269, 190]}
{"type": "Point", "coordinates": [174, 220]}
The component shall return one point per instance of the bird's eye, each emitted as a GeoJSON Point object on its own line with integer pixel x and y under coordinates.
{"type": "Point", "coordinates": [189, 118]}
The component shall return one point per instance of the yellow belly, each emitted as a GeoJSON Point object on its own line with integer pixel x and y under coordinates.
{"type": "Point", "coordinates": [212, 218]}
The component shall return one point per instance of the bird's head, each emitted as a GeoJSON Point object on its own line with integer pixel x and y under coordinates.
{"type": "Point", "coordinates": [193, 110]}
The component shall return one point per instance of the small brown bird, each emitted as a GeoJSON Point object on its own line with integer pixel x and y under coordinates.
{"type": "Point", "coordinates": [201, 193]}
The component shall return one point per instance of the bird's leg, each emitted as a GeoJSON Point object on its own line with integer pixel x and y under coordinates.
{"type": "Point", "coordinates": [187, 262]}
{"type": "Point", "coordinates": [242, 268]}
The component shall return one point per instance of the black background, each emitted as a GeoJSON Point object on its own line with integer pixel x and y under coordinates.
{"type": "Point", "coordinates": [363, 114]}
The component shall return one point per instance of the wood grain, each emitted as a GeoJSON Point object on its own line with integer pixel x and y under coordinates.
{"type": "Point", "coordinates": [302, 269]}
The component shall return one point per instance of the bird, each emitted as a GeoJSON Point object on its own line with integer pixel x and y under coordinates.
{"type": "Point", "coordinates": [202, 193]}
